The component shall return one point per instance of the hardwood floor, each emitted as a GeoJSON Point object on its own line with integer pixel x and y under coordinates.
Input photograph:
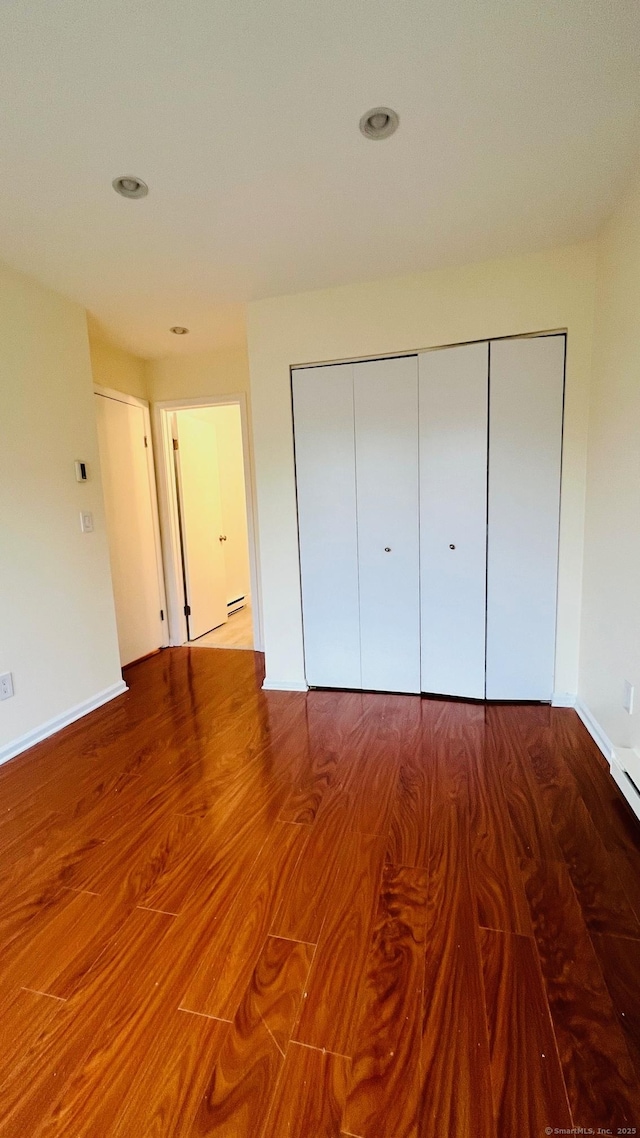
{"type": "Point", "coordinates": [256, 914]}
{"type": "Point", "coordinates": [236, 633]}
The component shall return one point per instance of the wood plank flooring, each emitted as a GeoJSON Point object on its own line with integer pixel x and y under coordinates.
{"type": "Point", "coordinates": [236, 633]}
{"type": "Point", "coordinates": [256, 914]}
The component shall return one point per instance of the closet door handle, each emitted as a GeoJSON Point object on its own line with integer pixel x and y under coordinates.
{"type": "Point", "coordinates": [387, 549]}
{"type": "Point", "coordinates": [452, 547]}
{"type": "Point", "coordinates": [223, 537]}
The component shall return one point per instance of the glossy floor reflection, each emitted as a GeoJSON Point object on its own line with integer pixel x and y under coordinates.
{"type": "Point", "coordinates": [233, 912]}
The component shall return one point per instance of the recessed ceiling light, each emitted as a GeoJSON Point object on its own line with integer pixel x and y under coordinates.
{"type": "Point", "coordinates": [130, 187]}
{"type": "Point", "coordinates": [379, 123]}
{"type": "Point", "coordinates": [178, 330]}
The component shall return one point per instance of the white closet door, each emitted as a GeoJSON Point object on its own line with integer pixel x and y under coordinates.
{"type": "Point", "coordinates": [453, 518]}
{"type": "Point", "coordinates": [525, 446]}
{"type": "Point", "coordinates": [326, 488]}
{"type": "Point", "coordinates": [386, 422]}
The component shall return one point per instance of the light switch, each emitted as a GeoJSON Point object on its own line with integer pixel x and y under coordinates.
{"type": "Point", "coordinates": [82, 473]}
{"type": "Point", "coordinates": [86, 521]}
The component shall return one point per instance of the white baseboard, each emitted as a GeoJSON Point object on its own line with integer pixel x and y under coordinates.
{"type": "Point", "coordinates": [17, 746]}
{"type": "Point", "coordinates": [624, 764]}
{"type": "Point", "coordinates": [284, 685]}
{"type": "Point", "coordinates": [563, 699]}
{"type": "Point", "coordinates": [625, 769]}
{"type": "Point", "coordinates": [597, 733]}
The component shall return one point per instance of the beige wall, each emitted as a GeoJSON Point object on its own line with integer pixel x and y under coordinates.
{"type": "Point", "coordinates": [57, 621]}
{"type": "Point", "coordinates": [113, 367]}
{"type": "Point", "coordinates": [225, 372]}
{"type": "Point", "coordinates": [551, 290]}
{"type": "Point", "coordinates": [611, 608]}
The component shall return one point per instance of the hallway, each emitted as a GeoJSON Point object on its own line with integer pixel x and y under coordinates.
{"type": "Point", "coordinates": [233, 912]}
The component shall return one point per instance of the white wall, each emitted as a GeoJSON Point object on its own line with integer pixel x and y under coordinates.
{"type": "Point", "coordinates": [223, 372]}
{"type": "Point", "coordinates": [611, 610]}
{"type": "Point", "coordinates": [550, 290]}
{"type": "Point", "coordinates": [113, 367]}
{"type": "Point", "coordinates": [57, 621]}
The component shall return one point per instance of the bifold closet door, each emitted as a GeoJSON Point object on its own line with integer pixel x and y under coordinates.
{"type": "Point", "coordinates": [453, 518]}
{"type": "Point", "coordinates": [327, 524]}
{"type": "Point", "coordinates": [386, 432]}
{"type": "Point", "coordinates": [525, 448]}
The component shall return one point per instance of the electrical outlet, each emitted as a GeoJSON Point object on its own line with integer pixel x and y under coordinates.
{"type": "Point", "coordinates": [627, 701]}
{"type": "Point", "coordinates": [6, 685]}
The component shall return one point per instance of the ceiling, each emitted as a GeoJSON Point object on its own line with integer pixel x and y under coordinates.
{"type": "Point", "coordinates": [519, 123]}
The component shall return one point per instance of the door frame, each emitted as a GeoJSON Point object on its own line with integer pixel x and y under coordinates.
{"type": "Point", "coordinates": [133, 401]}
{"type": "Point", "coordinates": [168, 503]}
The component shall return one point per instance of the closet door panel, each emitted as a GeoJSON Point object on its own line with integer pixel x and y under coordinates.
{"type": "Point", "coordinates": [326, 489]}
{"type": "Point", "coordinates": [453, 513]}
{"type": "Point", "coordinates": [386, 422]}
{"type": "Point", "coordinates": [525, 433]}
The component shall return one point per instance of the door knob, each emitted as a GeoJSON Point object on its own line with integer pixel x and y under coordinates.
{"type": "Point", "coordinates": [223, 537]}
{"type": "Point", "coordinates": [452, 547]}
{"type": "Point", "coordinates": [387, 549]}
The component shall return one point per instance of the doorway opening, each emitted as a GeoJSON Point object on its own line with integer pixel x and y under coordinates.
{"type": "Point", "coordinates": [206, 507]}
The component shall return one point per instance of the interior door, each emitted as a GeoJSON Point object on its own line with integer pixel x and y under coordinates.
{"type": "Point", "coordinates": [327, 524]}
{"type": "Point", "coordinates": [386, 440]}
{"type": "Point", "coordinates": [525, 432]}
{"type": "Point", "coordinates": [201, 524]}
{"type": "Point", "coordinates": [228, 426]}
{"type": "Point", "coordinates": [129, 509]}
{"type": "Point", "coordinates": [453, 518]}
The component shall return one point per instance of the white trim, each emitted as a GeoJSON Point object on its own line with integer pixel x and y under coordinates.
{"type": "Point", "coordinates": [133, 401]}
{"type": "Point", "coordinates": [119, 396]}
{"type": "Point", "coordinates": [624, 761]}
{"type": "Point", "coordinates": [169, 527]}
{"type": "Point", "coordinates": [563, 699]}
{"type": "Point", "coordinates": [23, 742]}
{"type": "Point", "coordinates": [284, 685]}
{"type": "Point", "coordinates": [598, 734]}
{"type": "Point", "coordinates": [162, 411]}
{"type": "Point", "coordinates": [617, 757]}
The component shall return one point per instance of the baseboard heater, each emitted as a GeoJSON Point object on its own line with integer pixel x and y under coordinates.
{"type": "Point", "coordinates": [625, 769]}
{"type": "Point", "coordinates": [233, 606]}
